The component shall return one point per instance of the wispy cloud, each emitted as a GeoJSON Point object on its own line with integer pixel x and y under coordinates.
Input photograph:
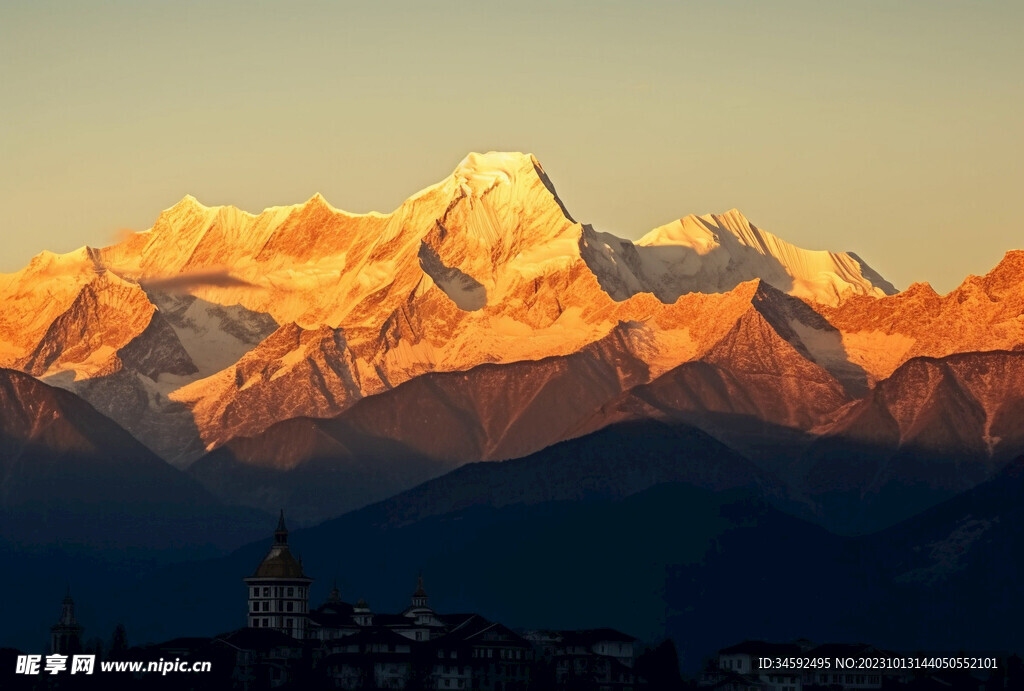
{"type": "Point", "coordinates": [119, 235]}
{"type": "Point", "coordinates": [182, 283]}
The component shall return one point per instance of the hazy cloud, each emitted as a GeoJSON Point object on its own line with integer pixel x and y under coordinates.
{"type": "Point", "coordinates": [119, 235]}
{"type": "Point", "coordinates": [182, 283]}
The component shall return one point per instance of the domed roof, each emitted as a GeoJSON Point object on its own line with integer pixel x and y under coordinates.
{"type": "Point", "coordinates": [279, 563]}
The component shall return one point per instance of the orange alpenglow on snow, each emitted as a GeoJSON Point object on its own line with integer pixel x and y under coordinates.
{"type": "Point", "coordinates": [221, 323]}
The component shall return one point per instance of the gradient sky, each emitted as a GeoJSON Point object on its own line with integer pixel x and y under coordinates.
{"type": "Point", "coordinates": [893, 129]}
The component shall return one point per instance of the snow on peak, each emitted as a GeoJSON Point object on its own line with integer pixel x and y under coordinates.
{"type": "Point", "coordinates": [496, 160]}
{"type": "Point", "coordinates": [188, 203]}
{"type": "Point", "coordinates": [716, 252]}
{"type": "Point", "coordinates": [495, 205]}
{"type": "Point", "coordinates": [477, 173]}
{"type": "Point", "coordinates": [704, 232]}
{"type": "Point", "coordinates": [317, 200]}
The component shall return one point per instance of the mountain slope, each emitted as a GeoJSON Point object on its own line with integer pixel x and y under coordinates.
{"type": "Point", "coordinates": [386, 443]}
{"type": "Point", "coordinates": [957, 567]}
{"type": "Point", "coordinates": [936, 427]}
{"type": "Point", "coordinates": [775, 375]}
{"type": "Point", "coordinates": [493, 412]}
{"type": "Point", "coordinates": [116, 348]}
{"type": "Point", "coordinates": [111, 324]}
{"type": "Point", "coordinates": [83, 504]}
{"type": "Point", "coordinates": [983, 313]}
{"type": "Point", "coordinates": [69, 473]}
{"type": "Point", "coordinates": [320, 373]}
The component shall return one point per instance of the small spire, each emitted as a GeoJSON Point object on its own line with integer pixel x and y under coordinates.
{"type": "Point", "coordinates": [420, 590]}
{"type": "Point", "coordinates": [67, 610]}
{"type": "Point", "coordinates": [281, 534]}
{"type": "Point", "coordinates": [335, 595]}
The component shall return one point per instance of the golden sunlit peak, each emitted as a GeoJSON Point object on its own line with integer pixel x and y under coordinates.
{"type": "Point", "coordinates": [477, 173]}
{"type": "Point", "coordinates": [318, 200]}
{"type": "Point", "coordinates": [493, 164]}
{"type": "Point", "coordinates": [496, 159]}
{"type": "Point", "coordinates": [188, 202]}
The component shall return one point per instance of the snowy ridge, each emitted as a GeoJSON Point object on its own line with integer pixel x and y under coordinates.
{"type": "Point", "coordinates": [713, 253]}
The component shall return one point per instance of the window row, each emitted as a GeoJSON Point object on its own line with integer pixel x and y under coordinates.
{"type": "Point", "coordinates": [278, 591]}
{"type": "Point", "coordinates": [265, 623]}
{"type": "Point", "coordinates": [502, 653]}
{"type": "Point", "coordinates": [265, 606]}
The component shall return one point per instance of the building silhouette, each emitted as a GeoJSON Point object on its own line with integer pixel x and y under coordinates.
{"type": "Point", "coordinates": [288, 645]}
{"type": "Point", "coordinates": [279, 590]}
{"type": "Point", "coordinates": [66, 634]}
{"type": "Point", "coordinates": [351, 646]}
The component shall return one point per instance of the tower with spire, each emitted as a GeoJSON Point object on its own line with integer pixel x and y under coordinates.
{"type": "Point", "coordinates": [279, 590]}
{"type": "Point", "coordinates": [418, 611]}
{"type": "Point", "coordinates": [66, 634]}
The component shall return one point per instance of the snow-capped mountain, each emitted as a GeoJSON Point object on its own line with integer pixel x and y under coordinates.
{"type": "Point", "coordinates": [478, 321]}
{"type": "Point", "coordinates": [714, 253]}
